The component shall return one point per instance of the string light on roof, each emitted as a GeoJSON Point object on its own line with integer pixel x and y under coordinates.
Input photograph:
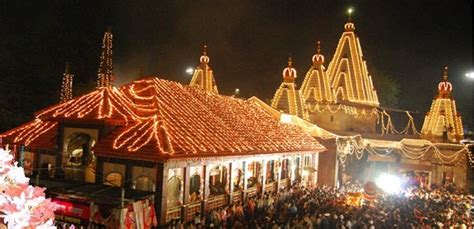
{"type": "Point", "coordinates": [168, 118]}
{"type": "Point", "coordinates": [66, 86]}
{"type": "Point", "coordinates": [105, 73]}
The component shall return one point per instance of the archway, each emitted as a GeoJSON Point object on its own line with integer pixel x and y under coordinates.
{"type": "Point", "coordinates": [195, 188]}
{"type": "Point", "coordinates": [79, 162]}
{"type": "Point", "coordinates": [238, 179]}
{"type": "Point", "coordinates": [144, 183]}
{"type": "Point", "coordinates": [218, 180]}
{"type": "Point", "coordinates": [114, 179]}
{"type": "Point", "coordinates": [174, 191]}
{"type": "Point", "coordinates": [285, 169]}
{"type": "Point", "coordinates": [270, 176]}
{"type": "Point", "coordinates": [255, 171]}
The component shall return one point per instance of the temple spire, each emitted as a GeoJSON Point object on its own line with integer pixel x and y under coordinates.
{"type": "Point", "coordinates": [66, 86]}
{"type": "Point", "coordinates": [105, 73]}
{"type": "Point", "coordinates": [203, 76]}
{"type": "Point", "coordinates": [443, 123]}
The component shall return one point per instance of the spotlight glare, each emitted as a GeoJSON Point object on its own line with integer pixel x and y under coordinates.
{"type": "Point", "coordinates": [389, 183]}
{"type": "Point", "coordinates": [189, 71]}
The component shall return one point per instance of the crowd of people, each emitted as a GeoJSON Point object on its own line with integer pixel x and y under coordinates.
{"type": "Point", "coordinates": [326, 207]}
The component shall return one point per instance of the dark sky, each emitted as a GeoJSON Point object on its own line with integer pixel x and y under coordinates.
{"type": "Point", "coordinates": [249, 41]}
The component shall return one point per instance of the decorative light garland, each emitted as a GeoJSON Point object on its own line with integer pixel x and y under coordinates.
{"type": "Point", "coordinates": [66, 86]}
{"type": "Point", "coordinates": [161, 117]}
{"type": "Point", "coordinates": [410, 148]}
{"type": "Point", "coordinates": [105, 74]}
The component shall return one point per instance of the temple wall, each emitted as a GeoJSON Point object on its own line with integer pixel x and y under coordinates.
{"type": "Point", "coordinates": [342, 121]}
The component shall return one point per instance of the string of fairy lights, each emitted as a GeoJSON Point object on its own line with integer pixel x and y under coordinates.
{"type": "Point", "coordinates": [105, 73]}
{"type": "Point", "coordinates": [66, 86]}
{"type": "Point", "coordinates": [162, 116]}
{"type": "Point", "coordinates": [410, 148]}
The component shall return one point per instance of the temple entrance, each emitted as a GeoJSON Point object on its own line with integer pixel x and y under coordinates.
{"type": "Point", "coordinates": [79, 162]}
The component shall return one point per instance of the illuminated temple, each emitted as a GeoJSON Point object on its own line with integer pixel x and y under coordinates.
{"type": "Point", "coordinates": [186, 149]}
{"type": "Point", "coordinates": [180, 147]}
{"type": "Point", "coordinates": [443, 123]}
{"type": "Point", "coordinates": [363, 138]}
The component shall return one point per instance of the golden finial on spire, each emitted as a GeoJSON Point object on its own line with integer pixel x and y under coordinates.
{"type": "Point", "coordinates": [204, 58]}
{"type": "Point", "coordinates": [290, 62]}
{"type": "Point", "coordinates": [445, 72]}
{"type": "Point", "coordinates": [319, 47]}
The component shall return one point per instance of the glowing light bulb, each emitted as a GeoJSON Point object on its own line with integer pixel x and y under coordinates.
{"type": "Point", "coordinates": [189, 71]}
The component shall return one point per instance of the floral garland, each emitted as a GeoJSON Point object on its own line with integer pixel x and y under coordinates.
{"type": "Point", "coordinates": [22, 205]}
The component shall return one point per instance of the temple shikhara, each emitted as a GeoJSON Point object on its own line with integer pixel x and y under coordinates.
{"type": "Point", "coordinates": [203, 77]}
{"type": "Point", "coordinates": [173, 150]}
{"type": "Point", "coordinates": [287, 98]}
{"type": "Point", "coordinates": [443, 122]}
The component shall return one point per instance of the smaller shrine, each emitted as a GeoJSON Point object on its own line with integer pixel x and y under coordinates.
{"type": "Point", "coordinates": [443, 123]}
{"type": "Point", "coordinates": [316, 87]}
{"type": "Point", "coordinates": [287, 98]}
{"type": "Point", "coordinates": [203, 76]}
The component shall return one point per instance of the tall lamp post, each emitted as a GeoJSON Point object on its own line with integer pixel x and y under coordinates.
{"type": "Point", "coordinates": [470, 76]}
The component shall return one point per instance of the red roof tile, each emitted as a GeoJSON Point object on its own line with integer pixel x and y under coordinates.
{"type": "Point", "coordinates": [157, 119]}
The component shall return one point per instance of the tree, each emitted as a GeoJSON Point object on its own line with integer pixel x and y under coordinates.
{"type": "Point", "coordinates": [388, 88]}
{"type": "Point", "coordinates": [22, 205]}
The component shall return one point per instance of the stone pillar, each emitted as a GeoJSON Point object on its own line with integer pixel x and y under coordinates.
{"type": "Point", "coordinates": [264, 176]}
{"type": "Point", "coordinates": [205, 190]}
{"type": "Point", "coordinates": [184, 208]}
{"type": "Point", "coordinates": [160, 194]}
{"type": "Point", "coordinates": [244, 173]}
{"type": "Point", "coordinates": [278, 177]}
{"type": "Point", "coordinates": [230, 179]}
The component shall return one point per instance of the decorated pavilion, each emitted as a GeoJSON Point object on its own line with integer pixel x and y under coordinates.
{"type": "Point", "coordinates": [188, 149]}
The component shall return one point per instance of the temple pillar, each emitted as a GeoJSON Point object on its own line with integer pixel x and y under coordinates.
{"type": "Point", "coordinates": [264, 177]}
{"type": "Point", "coordinates": [186, 179]}
{"type": "Point", "coordinates": [278, 168]}
{"type": "Point", "coordinates": [244, 173]}
{"type": "Point", "coordinates": [230, 185]}
{"type": "Point", "coordinates": [160, 200]}
{"type": "Point", "coordinates": [205, 189]}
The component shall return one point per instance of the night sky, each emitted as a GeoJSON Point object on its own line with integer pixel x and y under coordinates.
{"type": "Point", "coordinates": [248, 43]}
